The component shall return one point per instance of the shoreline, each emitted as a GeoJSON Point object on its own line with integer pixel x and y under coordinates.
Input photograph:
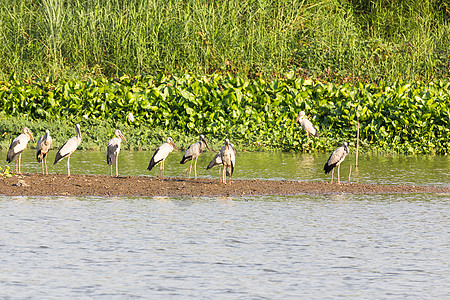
{"type": "Point", "coordinates": [34, 184]}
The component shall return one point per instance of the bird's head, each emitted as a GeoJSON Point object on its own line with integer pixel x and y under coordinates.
{"type": "Point", "coordinates": [299, 116]}
{"type": "Point", "coordinates": [27, 131]}
{"type": "Point", "coordinates": [119, 134]}
{"type": "Point", "coordinates": [202, 139]}
{"type": "Point", "coordinates": [171, 142]}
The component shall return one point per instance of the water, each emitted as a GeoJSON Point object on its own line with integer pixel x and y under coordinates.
{"type": "Point", "coordinates": [373, 169]}
{"type": "Point", "coordinates": [270, 247]}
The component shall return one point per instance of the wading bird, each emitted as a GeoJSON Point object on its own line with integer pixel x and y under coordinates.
{"type": "Point", "coordinates": [17, 146]}
{"type": "Point", "coordinates": [160, 155]}
{"type": "Point", "coordinates": [217, 160]}
{"type": "Point", "coordinates": [336, 158]}
{"type": "Point", "coordinates": [68, 148]}
{"type": "Point", "coordinates": [43, 146]}
{"type": "Point", "coordinates": [307, 125]}
{"type": "Point", "coordinates": [194, 151]}
{"type": "Point", "coordinates": [113, 149]}
{"type": "Point", "coordinates": [228, 160]}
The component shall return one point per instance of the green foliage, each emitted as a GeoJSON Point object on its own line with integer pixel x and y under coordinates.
{"type": "Point", "coordinates": [254, 114]}
{"type": "Point", "coordinates": [358, 40]}
{"type": "Point", "coordinates": [5, 172]}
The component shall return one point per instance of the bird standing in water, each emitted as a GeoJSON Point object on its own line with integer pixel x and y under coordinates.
{"type": "Point", "coordinates": [43, 146]}
{"type": "Point", "coordinates": [194, 151]}
{"type": "Point", "coordinates": [68, 148]}
{"type": "Point", "coordinates": [217, 160]}
{"type": "Point", "coordinates": [228, 160]}
{"type": "Point", "coordinates": [17, 146]}
{"type": "Point", "coordinates": [113, 149]}
{"type": "Point", "coordinates": [336, 158]}
{"type": "Point", "coordinates": [161, 154]}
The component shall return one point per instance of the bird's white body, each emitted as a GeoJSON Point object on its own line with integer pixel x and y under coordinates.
{"type": "Point", "coordinates": [113, 150]}
{"type": "Point", "coordinates": [161, 154]}
{"type": "Point", "coordinates": [68, 148]}
{"type": "Point", "coordinates": [307, 125]}
{"type": "Point", "coordinates": [17, 146]}
{"type": "Point", "coordinates": [228, 157]}
{"type": "Point", "coordinates": [217, 160]}
{"type": "Point", "coordinates": [336, 158]}
{"type": "Point", "coordinates": [194, 151]}
{"type": "Point", "coordinates": [43, 146]}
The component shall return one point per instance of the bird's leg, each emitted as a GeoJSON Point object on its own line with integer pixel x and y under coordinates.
{"type": "Point", "coordinates": [46, 170]}
{"type": "Point", "coordinates": [332, 175]}
{"type": "Point", "coordinates": [111, 170]}
{"type": "Point", "coordinates": [190, 168]}
{"type": "Point", "coordinates": [224, 175]}
{"type": "Point", "coordinates": [42, 163]}
{"type": "Point", "coordinates": [220, 171]}
{"type": "Point", "coordinates": [68, 166]}
{"type": "Point", "coordinates": [161, 169]}
{"type": "Point", "coordinates": [117, 166]}
{"type": "Point", "coordinates": [195, 167]}
{"type": "Point", "coordinates": [339, 178]}
{"type": "Point", "coordinates": [20, 158]}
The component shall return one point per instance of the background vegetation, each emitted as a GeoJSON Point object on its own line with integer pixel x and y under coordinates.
{"type": "Point", "coordinates": [254, 114]}
{"type": "Point", "coordinates": [254, 65]}
{"type": "Point", "coordinates": [335, 40]}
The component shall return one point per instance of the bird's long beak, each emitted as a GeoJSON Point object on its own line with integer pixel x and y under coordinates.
{"type": "Point", "coordinates": [123, 138]}
{"type": "Point", "coordinates": [207, 146]}
{"type": "Point", "coordinates": [31, 136]}
{"type": "Point", "coordinates": [175, 146]}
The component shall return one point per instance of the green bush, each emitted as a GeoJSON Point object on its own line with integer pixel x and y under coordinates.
{"type": "Point", "coordinates": [254, 114]}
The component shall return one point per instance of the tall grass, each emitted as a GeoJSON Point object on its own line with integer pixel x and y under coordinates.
{"type": "Point", "coordinates": [364, 40]}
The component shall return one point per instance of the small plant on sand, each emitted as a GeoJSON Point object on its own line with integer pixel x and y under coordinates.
{"type": "Point", "coordinates": [5, 172]}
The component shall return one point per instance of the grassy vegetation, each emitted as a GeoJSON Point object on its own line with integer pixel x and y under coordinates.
{"type": "Point", "coordinates": [347, 40]}
{"type": "Point", "coordinates": [253, 65]}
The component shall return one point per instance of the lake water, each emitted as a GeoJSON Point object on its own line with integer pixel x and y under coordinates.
{"type": "Point", "coordinates": [269, 247]}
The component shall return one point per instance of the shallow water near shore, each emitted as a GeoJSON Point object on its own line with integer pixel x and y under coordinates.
{"type": "Point", "coordinates": [372, 168]}
{"type": "Point", "coordinates": [275, 247]}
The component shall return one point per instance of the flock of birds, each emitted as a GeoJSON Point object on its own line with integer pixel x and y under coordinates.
{"type": "Point", "coordinates": [225, 158]}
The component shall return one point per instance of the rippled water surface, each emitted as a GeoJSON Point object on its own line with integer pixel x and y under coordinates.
{"type": "Point", "coordinates": [272, 247]}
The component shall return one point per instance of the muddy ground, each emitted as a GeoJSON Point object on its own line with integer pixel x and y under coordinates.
{"type": "Point", "coordinates": [100, 185]}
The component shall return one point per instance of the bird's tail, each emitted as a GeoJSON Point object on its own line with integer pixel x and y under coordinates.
{"type": "Point", "coordinates": [151, 164]}
{"type": "Point", "coordinates": [58, 157]}
{"type": "Point", "coordinates": [39, 156]}
{"type": "Point", "coordinates": [327, 168]}
{"type": "Point", "coordinates": [185, 159]}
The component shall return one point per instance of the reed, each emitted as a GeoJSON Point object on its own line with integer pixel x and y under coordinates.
{"type": "Point", "coordinates": [357, 40]}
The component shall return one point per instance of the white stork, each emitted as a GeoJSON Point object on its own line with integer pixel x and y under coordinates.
{"type": "Point", "coordinates": [43, 146]}
{"type": "Point", "coordinates": [307, 125]}
{"type": "Point", "coordinates": [217, 160]}
{"type": "Point", "coordinates": [336, 158]}
{"type": "Point", "coordinates": [194, 151]}
{"type": "Point", "coordinates": [113, 149]}
{"type": "Point", "coordinates": [161, 154]}
{"type": "Point", "coordinates": [68, 148]}
{"type": "Point", "coordinates": [17, 146]}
